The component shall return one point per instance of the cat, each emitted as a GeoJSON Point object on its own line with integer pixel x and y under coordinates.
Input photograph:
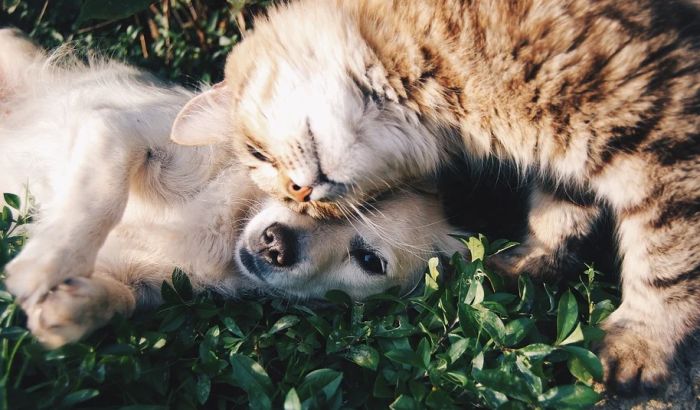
{"type": "Point", "coordinates": [118, 206]}
{"type": "Point", "coordinates": [339, 100]}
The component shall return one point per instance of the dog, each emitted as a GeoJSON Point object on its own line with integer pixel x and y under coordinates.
{"type": "Point", "coordinates": [118, 206]}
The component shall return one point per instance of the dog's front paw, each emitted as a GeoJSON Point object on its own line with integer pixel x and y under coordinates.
{"type": "Point", "coordinates": [634, 361]}
{"type": "Point", "coordinates": [69, 312]}
{"type": "Point", "coordinates": [40, 268]}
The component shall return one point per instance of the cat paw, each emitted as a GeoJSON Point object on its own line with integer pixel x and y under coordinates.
{"type": "Point", "coordinates": [522, 259]}
{"type": "Point", "coordinates": [68, 312]}
{"type": "Point", "coordinates": [633, 362]}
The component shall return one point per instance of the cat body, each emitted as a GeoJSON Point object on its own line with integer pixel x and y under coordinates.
{"type": "Point", "coordinates": [339, 100]}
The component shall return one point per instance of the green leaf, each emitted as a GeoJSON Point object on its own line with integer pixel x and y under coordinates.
{"type": "Point", "coordinates": [232, 327]}
{"type": "Point", "coordinates": [5, 219]}
{"type": "Point", "coordinates": [536, 351]}
{"type": "Point", "coordinates": [283, 323]}
{"type": "Point", "coordinates": [431, 278]}
{"type": "Point", "coordinates": [468, 319]}
{"type": "Point", "coordinates": [12, 200]}
{"type": "Point", "coordinates": [532, 381]}
{"type": "Point", "coordinates": [79, 396]}
{"type": "Point", "coordinates": [573, 396]}
{"type": "Point", "coordinates": [203, 388]}
{"type": "Point", "coordinates": [601, 311]}
{"type": "Point", "coordinates": [10, 5]}
{"type": "Point", "coordinates": [325, 381]}
{"type": "Point", "coordinates": [402, 356]}
{"type": "Point", "coordinates": [338, 297]}
{"type": "Point", "coordinates": [433, 268]}
{"type": "Point", "coordinates": [493, 325]}
{"type": "Point", "coordinates": [504, 381]}
{"type": "Point", "coordinates": [500, 245]}
{"type": "Point", "coordinates": [439, 399]}
{"type": "Point", "coordinates": [182, 285]}
{"type": "Point", "coordinates": [475, 293]}
{"type": "Point", "coordinates": [526, 290]}
{"type": "Point", "coordinates": [574, 337]}
{"type": "Point", "coordinates": [587, 360]}
{"type": "Point", "coordinates": [567, 316]}
{"type": "Point", "coordinates": [457, 349]}
{"type": "Point", "coordinates": [291, 400]}
{"type": "Point", "coordinates": [247, 374]}
{"type": "Point", "coordinates": [476, 248]}
{"type": "Point", "coordinates": [516, 330]}
{"type": "Point", "coordinates": [404, 402]}
{"type": "Point", "coordinates": [110, 9]}
{"type": "Point", "coordinates": [423, 352]}
{"type": "Point", "coordinates": [364, 356]}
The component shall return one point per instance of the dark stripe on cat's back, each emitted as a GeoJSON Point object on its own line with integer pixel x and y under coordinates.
{"type": "Point", "coordinates": [688, 276]}
{"type": "Point", "coordinates": [670, 151]}
{"type": "Point", "coordinates": [681, 211]}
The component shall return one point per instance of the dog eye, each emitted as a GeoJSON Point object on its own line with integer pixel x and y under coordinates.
{"type": "Point", "coordinates": [369, 261]}
{"type": "Point", "coordinates": [257, 154]}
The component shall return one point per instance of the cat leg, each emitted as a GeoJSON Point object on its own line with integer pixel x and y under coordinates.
{"type": "Point", "coordinates": [555, 226]}
{"type": "Point", "coordinates": [660, 286]}
{"type": "Point", "coordinates": [78, 306]}
{"type": "Point", "coordinates": [90, 198]}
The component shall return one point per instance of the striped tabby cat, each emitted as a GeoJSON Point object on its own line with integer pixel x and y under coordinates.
{"type": "Point", "coordinates": [339, 100]}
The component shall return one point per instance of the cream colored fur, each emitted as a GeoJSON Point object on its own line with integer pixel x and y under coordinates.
{"type": "Point", "coordinates": [118, 206]}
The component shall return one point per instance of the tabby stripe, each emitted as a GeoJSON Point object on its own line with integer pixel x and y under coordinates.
{"type": "Point", "coordinates": [628, 139]}
{"type": "Point", "coordinates": [668, 151]}
{"type": "Point", "coordinates": [686, 210]}
{"type": "Point", "coordinates": [689, 276]}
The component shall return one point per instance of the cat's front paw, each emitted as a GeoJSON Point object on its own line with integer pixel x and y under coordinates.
{"type": "Point", "coordinates": [69, 311]}
{"type": "Point", "coordinates": [632, 360]}
{"type": "Point", "coordinates": [512, 263]}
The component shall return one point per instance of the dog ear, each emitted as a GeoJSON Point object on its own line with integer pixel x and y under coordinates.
{"type": "Point", "coordinates": [204, 119]}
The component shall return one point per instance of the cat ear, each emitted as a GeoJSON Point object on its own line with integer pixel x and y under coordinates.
{"type": "Point", "coordinates": [204, 119]}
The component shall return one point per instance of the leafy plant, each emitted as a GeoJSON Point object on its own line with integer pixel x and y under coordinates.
{"type": "Point", "coordinates": [465, 341]}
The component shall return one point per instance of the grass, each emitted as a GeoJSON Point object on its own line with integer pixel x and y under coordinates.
{"type": "Point", "coordinates": [465, 342]}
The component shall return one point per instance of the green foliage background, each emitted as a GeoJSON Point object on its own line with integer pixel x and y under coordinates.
{"type": "Point", "coordinates": [466, 342]}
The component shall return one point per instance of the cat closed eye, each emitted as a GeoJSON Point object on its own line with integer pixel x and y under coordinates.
{"type": "Point", "coordinates": [257, 153]}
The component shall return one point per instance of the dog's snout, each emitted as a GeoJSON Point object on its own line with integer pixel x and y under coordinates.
{"type": "Point", "coordinates": [277, 246]}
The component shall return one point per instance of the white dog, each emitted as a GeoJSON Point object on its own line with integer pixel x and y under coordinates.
{"type": "Point", "coordinates": [118, 206]}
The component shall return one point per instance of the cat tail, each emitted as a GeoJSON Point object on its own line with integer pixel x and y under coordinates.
{"type": "Point", "coordinates": [18, 53]}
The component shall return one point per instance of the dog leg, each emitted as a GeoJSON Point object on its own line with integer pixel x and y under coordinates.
{"type": "Point", "coordinates": [90, 199]}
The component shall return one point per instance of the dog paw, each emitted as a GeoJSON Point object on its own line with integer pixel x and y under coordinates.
{"type": "Point", "coordinates": [69, 311]}
{"type": "Point", "coordinates": [633, 362]}
{"type": "Point", "coordinates": [38, 269]}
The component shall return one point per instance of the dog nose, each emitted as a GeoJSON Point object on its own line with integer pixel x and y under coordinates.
{"type": "Point", "coordinates": [277, 246]}
{"type": "Point", "coordinates": [299, 193]}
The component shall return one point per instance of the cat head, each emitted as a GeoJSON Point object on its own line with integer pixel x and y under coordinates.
{"type": "Point", "coordinates": [316, 120]}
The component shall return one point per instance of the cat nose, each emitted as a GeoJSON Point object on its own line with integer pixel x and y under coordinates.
{"type": "Point", "coordinates": [299, 193]}
{"type": "Point", "coordinates": [277, 246]}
